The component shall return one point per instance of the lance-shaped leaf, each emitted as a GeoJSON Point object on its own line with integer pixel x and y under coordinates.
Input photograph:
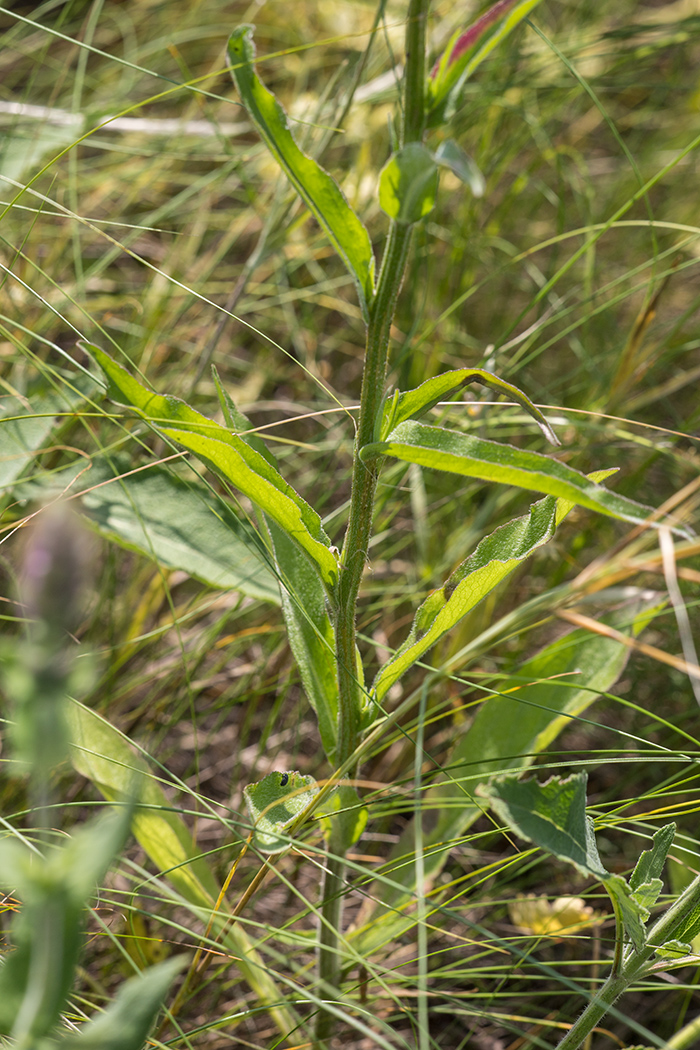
{"type": "Point", "coordinates": [253, 475]}
{"type": "Point", "coordinates": [466, 51]}
{"type": "Point", "coordinates": [456, 453]}
{"type": "Point", "coordinates": [414, 403]}
{"type": "Point", "coordinates": [229, 455]}
{"type": "Point", "coordinates": [304, 602]}
{"type": "Point", "coordinates": [317, 189]}
{"type": "Point", "coordinates": [124, 1024]}
{"type": "Point", "coordinates": [494, 558]}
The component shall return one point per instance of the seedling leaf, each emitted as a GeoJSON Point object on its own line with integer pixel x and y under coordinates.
{"type": "Point", "coordinates": [274, 803]}
{"type": "Point", "coordinates": [318, 190]}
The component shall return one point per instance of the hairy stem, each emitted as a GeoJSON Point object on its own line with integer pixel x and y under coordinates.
{"type": "Point", "coordinates": [364, 484]}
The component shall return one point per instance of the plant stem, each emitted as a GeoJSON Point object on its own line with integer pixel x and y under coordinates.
{"type": "Point", "coordinates": [364, 479]}
{"type": "Point", "coordinates": [673, 921]}
{"type": "Point", "coordinates": [364, 484]}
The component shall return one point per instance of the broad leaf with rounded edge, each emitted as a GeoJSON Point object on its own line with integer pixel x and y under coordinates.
{"type": "Point", "coordinates": [472, 457]}
{"type": "Point", "coordinates": [229, 455]}
{"type": "Point", "coordinates": [408, 184]}
{"type": "Point", "coordinates": [317, 189]}
{"type": "Point", "coordinates": [413, 403]}
{"type": "Point", "coordinates": [553, 816]}
{"type": "Point", "coordinates": [274, 803]}
{"type": "Point", "coordinates": [510, 728]}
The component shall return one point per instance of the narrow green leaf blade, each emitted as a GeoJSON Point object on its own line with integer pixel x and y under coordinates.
{"type": "Point", "coordinates": [254, 476]}
{"type": "Point", "coordinates": [414, 403]}
{"type": "Point", "coordinates": [310, 634]}
{"type": "Point", "coordinates": [229, 455]}
{"type": "Point", "coordinates": [472, 457]}
{"type": "Point", "coordinates": [315, 186]}
{"type": "Point", "coordinates": [465, 52]}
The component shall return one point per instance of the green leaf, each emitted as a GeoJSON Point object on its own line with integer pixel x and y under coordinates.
{"type": "Point", "coordinates": [674, 949]}
{"type": "Point", "coordinates": [178, 523]}
{"type": "Point", "coordinates": [494, 558]}
{"type": "Point", "coordinates": [274, 803]}
{"type": "Point", "coordinates": [310, 634]}
{"type": "Point", "coordinates": [645, 880]}
{"type": "Point", "coordinates": [106, 757]}
{"type": "Point", "coordinates": [250, 473]}
{"type": "Point", "coordinates": [48, 931]}
{"type": "Point", "coordinates": [414, 403]}
{"type": "Point", "coordinates": [304, 604]}
{"type": "Point", "coordinates": [228, 455]}
{"type": "Point", "coordinates": [315, 186]}
{"type": "Point", "coordinates": [551, 815]}
{"type": "Point", "coordinates": [466, 51]}
{"type": "Point", "coordinates": [456, 453]}
{"type": "Point", "coordinates": [451, 155]}
{"type": "Point", "coordinates": [125, 1023]}
{"type": "Point", "coordinates": [408, 184]}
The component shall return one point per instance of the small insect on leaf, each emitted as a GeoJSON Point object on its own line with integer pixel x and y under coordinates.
{"type": "Point", "coordinates": [285, 780]}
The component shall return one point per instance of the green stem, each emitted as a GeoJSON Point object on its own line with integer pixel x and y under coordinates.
{"type": "Point", "coordinates": [364, 485]}
{"type": "Point", "coordinates": [668, 927]}
{"type": "Point", "coordinates": [329, 960]}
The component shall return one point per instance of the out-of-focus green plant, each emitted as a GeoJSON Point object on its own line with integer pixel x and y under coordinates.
{"type": "Point", "coordinates": [54, 883]}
